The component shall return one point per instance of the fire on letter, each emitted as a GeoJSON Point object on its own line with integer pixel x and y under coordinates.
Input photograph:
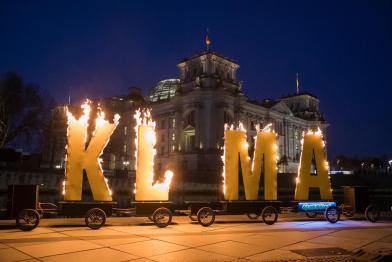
{"type": "Point", "coordinates": [313, 147]}
{"type": "Point", "coordinates": [80, 158]}
{"type": "Point", "coordinates": [265, 156]}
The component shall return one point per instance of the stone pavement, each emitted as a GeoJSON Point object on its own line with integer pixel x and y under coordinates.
{"type": "Point", "coordinates": [230, 238]}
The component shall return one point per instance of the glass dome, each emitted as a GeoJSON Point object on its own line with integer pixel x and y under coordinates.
{"type": "Point", "coordinates": [165, 89]}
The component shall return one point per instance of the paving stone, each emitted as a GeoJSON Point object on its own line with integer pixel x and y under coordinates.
{"type": "Point", "coordinates": [276, 254]}
{"type": "Point", "coordinates": [95, 255]}
{"type": "Point", "coordinates": [197, 240]}
{"type": "Point", "coordinates": [191, 255]}
{"type": "Point", "coordinates": [368, 234]}
{"type": "Point", "coordinates": [315, 252]}
{"type": "Point", "coordinates": [115, 241]}
{"type": "Point", "coordinates": [348, 244]}
{"type": "Point", "coordinates": [149, 248]}
{"type": "Point", "coordinates": [56, 248]}
{"type": "Point", "coordinates": [10, 254]}
{"type": "Point", "coordinates": [93, 233]}
{"type": "Point", "coordinates": [233, 249]}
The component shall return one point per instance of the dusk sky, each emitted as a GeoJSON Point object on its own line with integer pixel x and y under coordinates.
{"type": "Point", "coordinates": [342, 51]}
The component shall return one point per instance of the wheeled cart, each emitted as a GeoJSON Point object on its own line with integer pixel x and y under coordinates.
{"type": "Point", "coordinates": [204, 212]}
{"type": "Point", "coordinates": [94, 213]}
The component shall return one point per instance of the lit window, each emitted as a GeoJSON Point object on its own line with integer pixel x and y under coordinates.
{"type": "Point", "coordinates": [125, 148]}
{"type": "Point", "coordinates": [125, 130]}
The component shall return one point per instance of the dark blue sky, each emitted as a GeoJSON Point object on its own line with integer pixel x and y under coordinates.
{"type": "Point", "coordinates": [341, 49]}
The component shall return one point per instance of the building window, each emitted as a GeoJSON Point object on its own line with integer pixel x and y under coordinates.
{"type": "Point", "coordinates": [189, 142]}
{"type": "Point", "coordinates": [112, 161]}
{"type": "Point", "coordinates": [125, 148]}
{"type": "Point", "coordinates": [173, 136]}
{"type": "Point", "coordinates": [173, 123]}
{"type": "Point", "coordinates": [190, 119]}
{"type": "Point", "coordinates": [125, 130]}
{"type": "Point", "coordinates": [163, 138]}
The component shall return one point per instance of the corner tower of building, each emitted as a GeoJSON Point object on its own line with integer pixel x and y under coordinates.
{"type": "Point", "coordinates": [208, 70]}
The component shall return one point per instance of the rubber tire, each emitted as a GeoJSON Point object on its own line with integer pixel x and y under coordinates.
{"type": "Point", "coordinates": [372, 208]}
{"type": "Point", "coordinates": [252, 216]}
{"type": "Point", "coordinates": [30, 212]}
{"type": "Point", "coordinates": [166, 212]}
{"type": "Point", "coordinates": [264, 213]}
{"type": "Point", "coordinates": [98, 212]}
{"type": "Point", "coordinates": [328, 218]}
{"type": "Point", "coordinates": [311, 214]}
{"type": "Point", "coordinates": [201, 212]}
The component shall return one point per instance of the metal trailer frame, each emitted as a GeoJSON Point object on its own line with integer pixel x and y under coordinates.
{"type": "Point", "coordinates": [204, 212]}
{"type": "Point", "coordinates": [94, 213]}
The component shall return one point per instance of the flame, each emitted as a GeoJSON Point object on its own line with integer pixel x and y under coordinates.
{"type": "Point", "coordinates": [226, 126]}
{"type": "Point", "coordinates": [223, 157]}
{"type": "Point", "coordinates": [165, 185]}
{"type": "Point", "coordinates": [83, 120]}
{"type": "Point", "coordinates": [143, 117]}
{"type": "Point", "coordinates": [63, 191]}
{"type": "Point", "coordinates": [107, 185]}
{"type": "Point", "coordinates": [318, 132]}
{"type": "Point", "coordinates": [267, 128]}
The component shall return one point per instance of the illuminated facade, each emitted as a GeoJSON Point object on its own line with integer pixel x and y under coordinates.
{"type": "Point", "coordinates": [191, 112]}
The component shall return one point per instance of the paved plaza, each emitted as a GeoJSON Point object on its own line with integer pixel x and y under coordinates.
{"type": "Point", "coordinates": [231, 238]}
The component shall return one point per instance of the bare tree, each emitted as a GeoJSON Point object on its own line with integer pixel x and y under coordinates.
{"type": "Point", "coordinates": [24, 110]}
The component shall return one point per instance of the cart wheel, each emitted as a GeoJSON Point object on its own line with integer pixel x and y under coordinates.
{"type": "Point", "coordinates": [332, 214]}
{"type": "Point", "coordinates": [206, 216]}
{"type": "Point", "coordinates": [162, 217]}
{"type": "Point", "coordinates": [253, 216]}
{"type": "Point", "coordinates": [311, 214]}
{"type": "Point", "coordinates": [95, 218]}
{"type": "Point", "coordinates": [269, 215]}
{"type": "Point", "coordinates": [27, 219]}
{"type": "Point", "coordinates": [193, 218]}
{"type": "Point", "coordinates": [372, 213]}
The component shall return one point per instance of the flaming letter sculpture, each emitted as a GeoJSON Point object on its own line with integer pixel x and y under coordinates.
{"type": "Point", "coordinates": [80, 158]}
{"type": "Point", "coordinates": [265, 156]}
{"type": "Point", "coordinates": [313, 146]}
{"type": "Point", "coordinates": [146, 189]}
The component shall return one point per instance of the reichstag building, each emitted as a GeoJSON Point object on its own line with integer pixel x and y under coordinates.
{"type": "Point", "coordinates": [190, 112]}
